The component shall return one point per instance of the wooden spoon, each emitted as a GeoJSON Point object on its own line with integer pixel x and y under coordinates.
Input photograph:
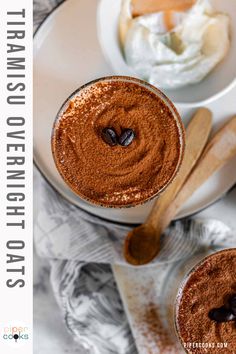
{"type": "Point", "coordinates": [143, 243]}
{"type": "Point", "coordinates": [221, 148]}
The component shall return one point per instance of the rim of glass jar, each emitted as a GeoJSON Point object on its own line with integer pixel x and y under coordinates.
{"type": "Point", "coordinates": [181, 289]}
{"type": "Point", "coordinates": [147, 86]}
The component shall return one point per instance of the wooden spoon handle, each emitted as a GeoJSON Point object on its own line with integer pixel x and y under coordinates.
{"type": "Point", "coordinates": [220, 149]}
{"type": "Point", "coordinates": [197, 134]}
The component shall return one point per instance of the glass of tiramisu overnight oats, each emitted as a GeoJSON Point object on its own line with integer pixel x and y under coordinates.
{"type": "Point", "coordinates": [205, 312]}
{"type": "Point", "coordinates": [118, 141]}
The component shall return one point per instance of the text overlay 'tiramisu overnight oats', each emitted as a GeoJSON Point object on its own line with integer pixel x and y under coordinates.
{"type": "Point", "coordinates": [206, 306]}
{"type": "Point", "coordinates": [117, 142]}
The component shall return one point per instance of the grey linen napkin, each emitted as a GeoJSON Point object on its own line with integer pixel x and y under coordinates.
{"type": "Point", "coordinates": [77, 247]}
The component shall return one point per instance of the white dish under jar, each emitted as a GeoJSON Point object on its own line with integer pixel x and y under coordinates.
{"type": "Point", "coordinates": [217, 83]}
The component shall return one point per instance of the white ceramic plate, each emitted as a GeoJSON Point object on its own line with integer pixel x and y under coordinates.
{"type": "Point", "coordinates": [67, 54]}
{"type": "Point", "coordinates": [217, 83]}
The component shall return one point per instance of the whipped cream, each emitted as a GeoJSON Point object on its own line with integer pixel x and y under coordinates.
{"type": "Point", "coordinates": [174, 58]}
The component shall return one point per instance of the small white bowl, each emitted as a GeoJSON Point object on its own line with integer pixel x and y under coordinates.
{"type": "Point", "coordinates": [215, 85]}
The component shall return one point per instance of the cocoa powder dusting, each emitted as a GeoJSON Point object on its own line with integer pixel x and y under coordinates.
{"type": "Point", "coordinates": [155, 332]}
{"type": "Point", "coordinates": [116, 175]}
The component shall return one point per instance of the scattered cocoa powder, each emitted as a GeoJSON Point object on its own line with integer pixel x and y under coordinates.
{"type": "Point", "coordinates": [116, 175]}
{"type": "Point", "coordinates": [157, 335]}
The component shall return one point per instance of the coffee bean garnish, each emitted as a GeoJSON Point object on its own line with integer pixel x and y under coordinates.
{"type": "Point", "coordinates": [126, 137]}
{"type": "Point", "coordinates": [109, 136]}
{"type": "Point", "coordinates": [221, 314]}
{"type": "Point", "coordinates": [232, 304]}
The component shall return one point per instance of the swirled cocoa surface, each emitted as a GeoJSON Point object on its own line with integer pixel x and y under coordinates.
{"type": "Point", "coordinates": [116, 175]}
{"type": "Point", "coordinates": [209, 287]}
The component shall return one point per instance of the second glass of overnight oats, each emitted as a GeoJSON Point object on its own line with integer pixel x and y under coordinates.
{"type": "Point", "coordinates": [118, 142]}
{"type": "Point", "coordinates": [205, 313]}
